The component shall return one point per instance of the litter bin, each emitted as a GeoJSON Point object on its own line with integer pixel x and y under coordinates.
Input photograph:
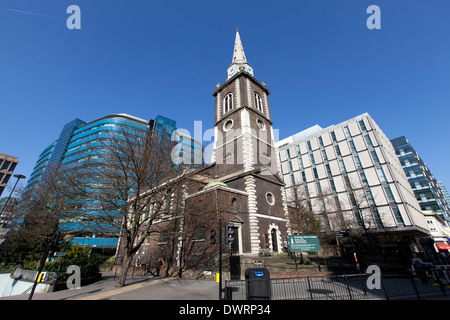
{"type": "Point", "coordinates": [258, 284]}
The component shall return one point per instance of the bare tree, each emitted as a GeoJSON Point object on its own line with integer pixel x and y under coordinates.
{"type": "Point", "coordinates": [40, 213]}
{"type": "Point", "coordinates": [130, 178]}
{"type": "Point", "coordinates": [301, 215]}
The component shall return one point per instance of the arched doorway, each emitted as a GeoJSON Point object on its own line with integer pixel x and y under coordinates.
{"type": "Point", "coordinates": [274, 236]}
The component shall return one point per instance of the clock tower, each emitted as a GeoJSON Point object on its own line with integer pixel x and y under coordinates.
{"type": "Point", "coordinates": [244, 151]}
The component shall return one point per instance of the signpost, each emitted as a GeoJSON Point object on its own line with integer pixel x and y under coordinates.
{"type": "Point", "coordinates": [303, 243]}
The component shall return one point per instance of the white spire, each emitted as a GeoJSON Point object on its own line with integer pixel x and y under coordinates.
{"type": "Point", "coordinates": [238, 54]}
{"type": "Point", "coordinates": [239, 61]}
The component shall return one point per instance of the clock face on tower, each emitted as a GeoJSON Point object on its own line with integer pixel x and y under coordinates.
{"type": "Point", "coordinates": [231, 70]}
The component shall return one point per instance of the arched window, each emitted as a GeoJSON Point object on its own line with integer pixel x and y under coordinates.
{"type": "Point", "coordinates": [258, 102]}
{"type": "Point", "coordinates": [228, 103]}
{"type": "Point", "coordinates": [233, 205]}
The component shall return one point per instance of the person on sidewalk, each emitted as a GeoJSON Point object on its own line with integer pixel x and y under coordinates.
{"type": "Point", "coordinates": [420, 268]}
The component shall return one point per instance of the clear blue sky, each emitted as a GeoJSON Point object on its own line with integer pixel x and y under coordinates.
{"type": "Point", "coordinates": [144, 57]}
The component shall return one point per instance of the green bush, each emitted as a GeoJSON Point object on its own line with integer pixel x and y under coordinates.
{"type": "Point", "coordinates": [79, 256]}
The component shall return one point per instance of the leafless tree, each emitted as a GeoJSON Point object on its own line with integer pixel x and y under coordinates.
{"type": "Point", "coordinates": [40, 213]}
{"type": "Point", "coordinates": [130, 180]}
{"type": "Point", "coordinates": [301, 215]}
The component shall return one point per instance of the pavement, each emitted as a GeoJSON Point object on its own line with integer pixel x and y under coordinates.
{"type": "Point", "coordinates": [152, 288]}
{"type": "Point", "coordinates": [136, 288]}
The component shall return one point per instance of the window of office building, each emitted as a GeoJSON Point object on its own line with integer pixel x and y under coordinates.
{"type": "Point", "coordinates": [363, 178]}
{"type": "Point", "coordinates": [347, 183]}
{"type": "Point", "coordinates": [319, 188]}
{"type": "Point", "coordinates": [333, 186]}
{"type": "Point", "coordinates": [374, 157]}
{"type": "Point", "coordinates": [327, 166]}
{"type": "Point", "coordinates": [362, 125]}
{"type": "Point", "coordinates": [324, 155]}
{"type": "Point", "coordinates": [357, 162]}
{"type": "Point", "coordinates": [389, 194]}
{"type": "Point", "coordinates": [338, 150]}
{"type": "Point", "coordinates": [346, 131]}
{"type": "Point", "coordinates": [370, 199]}
{"type": "Point", "coordinates": [352, 145]}
{"type": "Point", "coordinates": [321, 141]}
{"type": "Point", "coordinates": [341, 165]}
{"type": "Point", "coordinates": [333, 136]}
{"type": "Point", "coordinates": [300, 162]}
{"type": "Point", "coordinates": [322, 205]}
{"type": "Point", "coordinates": [308, 143]}
{"type": "Point", "coordinates": [397, 215]}
{"type": "Point", "coordinates": [368, 140]}
{"type": "Point", "coordinates": [381, 175]}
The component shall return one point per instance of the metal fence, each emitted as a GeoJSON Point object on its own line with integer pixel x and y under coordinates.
{"type": "Point", "coordinates": [341, 287]}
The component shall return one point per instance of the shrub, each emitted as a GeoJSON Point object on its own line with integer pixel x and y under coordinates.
{"type": "Point", "coordinates": [79, 256]}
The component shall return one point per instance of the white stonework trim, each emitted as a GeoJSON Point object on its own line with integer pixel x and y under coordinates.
{"type": "Point", "coordinates": [266, 106]}
{"type": "Point", "coordinates": [184, 194]}
{"type": "Point", "coordinates": [219, 106]}
{"type": "Point", "coordinates": [247, 153]}
{"type": "Point", "coordinates": [250, 188]}
{"type": "Point", "coordinates": [264, 216]}
{"type": "Point", "coordinates": [285, 209]}
{"type": "Point", "coordinates": [249, 94]}
{"type": "Point", "coordinates": [237, 94]}
{"type": "Point", "coordinates": [245, 118]}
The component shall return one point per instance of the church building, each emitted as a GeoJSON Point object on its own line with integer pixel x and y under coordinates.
{"type": "Point", "coordinates": [242, 185]}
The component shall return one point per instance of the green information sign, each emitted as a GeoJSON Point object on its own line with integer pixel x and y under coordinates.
{"type": "Point", "coordinates": [304, 243]}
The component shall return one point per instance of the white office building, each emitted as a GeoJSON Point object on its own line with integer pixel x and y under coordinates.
{"type": "Point", "coordinates": [351, 177]}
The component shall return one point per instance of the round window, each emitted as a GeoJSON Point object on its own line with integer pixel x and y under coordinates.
{"type": "Point", "coordinates": [270, 198]}
{"type": "Point", "coordinates": [260, 124]}
{"type": "Point", "coordinates": [228, 125]}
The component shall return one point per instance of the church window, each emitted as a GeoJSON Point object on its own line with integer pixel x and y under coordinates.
{"type": "Point", "coordinates": [258, 102]}
{"type": "Point", "coordinates": [228, 125]}
{"type": "Point", "coordinates": [270, 198]}
{"type": "Point", "coordinates": [261, 124]}
{"type": "Point", "coordinates": [228, 103]}
{"type": "Point", "coordinates": [233, 205]}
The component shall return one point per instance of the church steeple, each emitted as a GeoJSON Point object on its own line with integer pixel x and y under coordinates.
{"type": "Point", "coordinates": [239, 61]}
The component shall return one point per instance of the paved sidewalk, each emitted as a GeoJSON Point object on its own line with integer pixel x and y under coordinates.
{"type": "Point", "coordinates": [136, 288]}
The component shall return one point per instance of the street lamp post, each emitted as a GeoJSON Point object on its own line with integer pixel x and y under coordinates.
{"type": "Point", "coordinates": [18, 176]}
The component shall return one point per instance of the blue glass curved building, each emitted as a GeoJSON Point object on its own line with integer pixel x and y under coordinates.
{"type": "Point", "coordinates": [80, 141]}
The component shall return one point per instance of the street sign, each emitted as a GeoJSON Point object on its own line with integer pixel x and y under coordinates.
{"type": "Point", "coordinates": [304, 243]}
{"type": "Point", "coordinates": [341, 234]}
{"type": "Point", "coordinates": [59, 254]}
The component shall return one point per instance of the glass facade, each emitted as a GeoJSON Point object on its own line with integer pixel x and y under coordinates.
{"type": "Point", "coordinates": [80, 141]}
{"type": "Point", "coordinates": [424, 184]}
{"type": "Point", "coordinates": [7, 166]}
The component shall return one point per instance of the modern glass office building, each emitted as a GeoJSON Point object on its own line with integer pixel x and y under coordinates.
{"type": "Point", "coordinates": [350, 171]}
{"type": "Point", "coordinates": [422, 181]}
{"type": "Point", "coordinates": [80, 141]}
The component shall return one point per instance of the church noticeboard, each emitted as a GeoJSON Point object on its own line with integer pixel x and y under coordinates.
{"type": "Point", "coordinates": [304, 243]}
